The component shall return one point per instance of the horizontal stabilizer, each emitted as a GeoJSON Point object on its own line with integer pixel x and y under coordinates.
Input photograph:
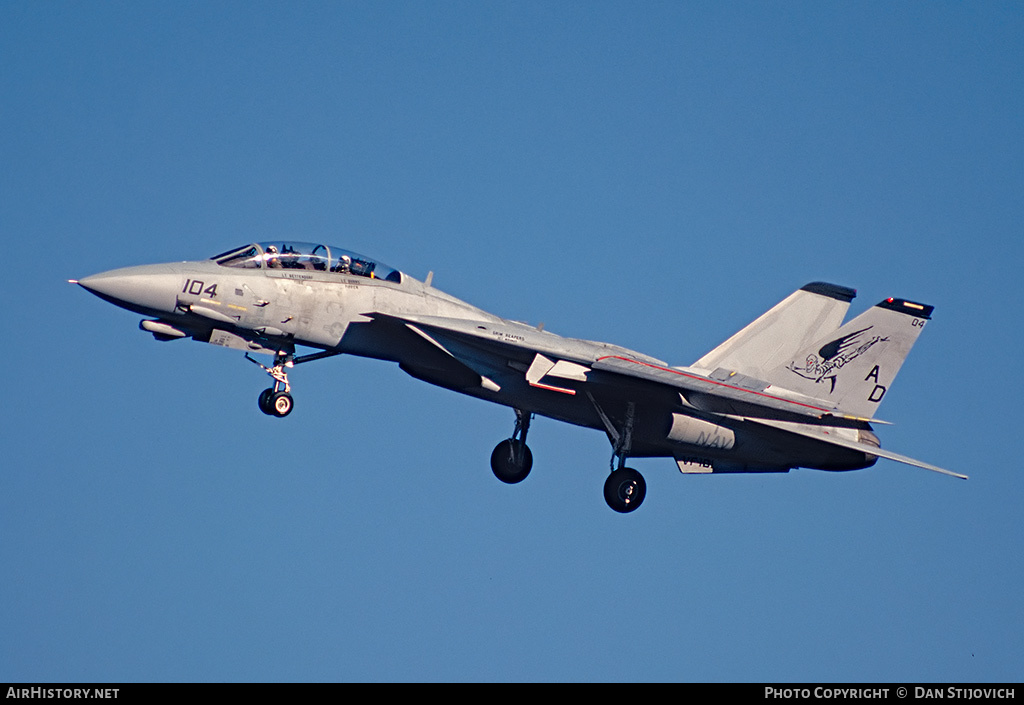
{"type": "Point", "coordinates": [826, 434]}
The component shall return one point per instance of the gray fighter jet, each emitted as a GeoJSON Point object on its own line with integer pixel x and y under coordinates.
{"type": "Point", "coordinates": [795, 388]}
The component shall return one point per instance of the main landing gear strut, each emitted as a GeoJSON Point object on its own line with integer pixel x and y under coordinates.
{"type": "Point", "coordinates": [625, 488]}
{"type": "Point", "coordinates": [277, 400]}
{"type": "Point", "coordinates": [512, 460]}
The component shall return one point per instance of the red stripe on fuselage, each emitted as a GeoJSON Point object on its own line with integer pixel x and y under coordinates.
{"type": "Point", "coordinates": [720, 384]}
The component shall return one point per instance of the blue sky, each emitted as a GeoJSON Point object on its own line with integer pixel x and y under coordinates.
{"type": "Point", "coordinates": [651, 174]}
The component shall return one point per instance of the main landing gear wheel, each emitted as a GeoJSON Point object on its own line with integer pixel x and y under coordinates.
{"type": "Point", "coordinates": [624, 490]}
{"type": "Point", "coordinates": [511, 461]}
{"type": "Point", "coordinates": [278, 404]}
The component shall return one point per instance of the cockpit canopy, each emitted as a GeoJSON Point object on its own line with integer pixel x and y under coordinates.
{"type": "Point", "coordinates": [309, 256]}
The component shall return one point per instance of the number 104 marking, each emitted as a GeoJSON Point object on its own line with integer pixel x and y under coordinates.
{"type": "Point", "coordinates": [196, 287]}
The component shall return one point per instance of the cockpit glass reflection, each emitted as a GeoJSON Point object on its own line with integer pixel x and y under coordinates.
{"type": "Point", "coordinates": [308, 256]}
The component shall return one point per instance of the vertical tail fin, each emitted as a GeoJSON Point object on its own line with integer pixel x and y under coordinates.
{"type": "Point", "coordinates": [855, 366]}
{"type": "Point", "coordinates": [772, 339]}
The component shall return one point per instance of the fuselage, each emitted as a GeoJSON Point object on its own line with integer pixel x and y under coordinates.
{"type": "Point", "coordinates": [268, 298]}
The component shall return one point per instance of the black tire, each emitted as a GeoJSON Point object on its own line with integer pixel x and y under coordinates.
{"type": "Point", "coordinates": [265, 401]}
{"type": "Point", "coordinates": [624, 490]}
{"type": "Point", "coordinates": [511, 461]}
{"type": "Point", "coordinates": [281, 404]}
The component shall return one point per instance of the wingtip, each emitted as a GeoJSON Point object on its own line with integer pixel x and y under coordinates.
{"type": "Point", "coordinates": [944, 471]}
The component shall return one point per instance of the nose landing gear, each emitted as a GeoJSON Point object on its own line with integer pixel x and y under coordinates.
{"type": "Point", "coordinates": [277, 400]}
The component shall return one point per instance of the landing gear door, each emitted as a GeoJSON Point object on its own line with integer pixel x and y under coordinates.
{"type": "Point", "coordinates": [227, 339]}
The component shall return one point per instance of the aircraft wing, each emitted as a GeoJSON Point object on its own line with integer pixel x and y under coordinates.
{"type": "Point", "coordinates": [723, 391]}
{"type": "Point", "coordinates": [499, 334]}
{"type": "Point", "coordinates": [826, 435]}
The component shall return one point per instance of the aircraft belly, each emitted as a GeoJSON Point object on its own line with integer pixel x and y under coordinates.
{"type": "Point", "coordinates": [736, 445]}
{"type": "Point", "coordinates": [799, 451]}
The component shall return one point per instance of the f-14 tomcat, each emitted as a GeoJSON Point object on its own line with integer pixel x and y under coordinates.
{"type": "Point", "coordinates": [795, 388]}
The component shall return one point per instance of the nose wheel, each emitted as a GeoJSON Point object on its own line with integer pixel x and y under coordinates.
{"type": "Point", "coordinates": [277, 400]}
{"type": "Point", "coordinates": [276, 403]}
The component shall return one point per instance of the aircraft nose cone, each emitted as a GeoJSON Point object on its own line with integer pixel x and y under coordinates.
{"type": "Point", "coordinates": [148, 289]}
